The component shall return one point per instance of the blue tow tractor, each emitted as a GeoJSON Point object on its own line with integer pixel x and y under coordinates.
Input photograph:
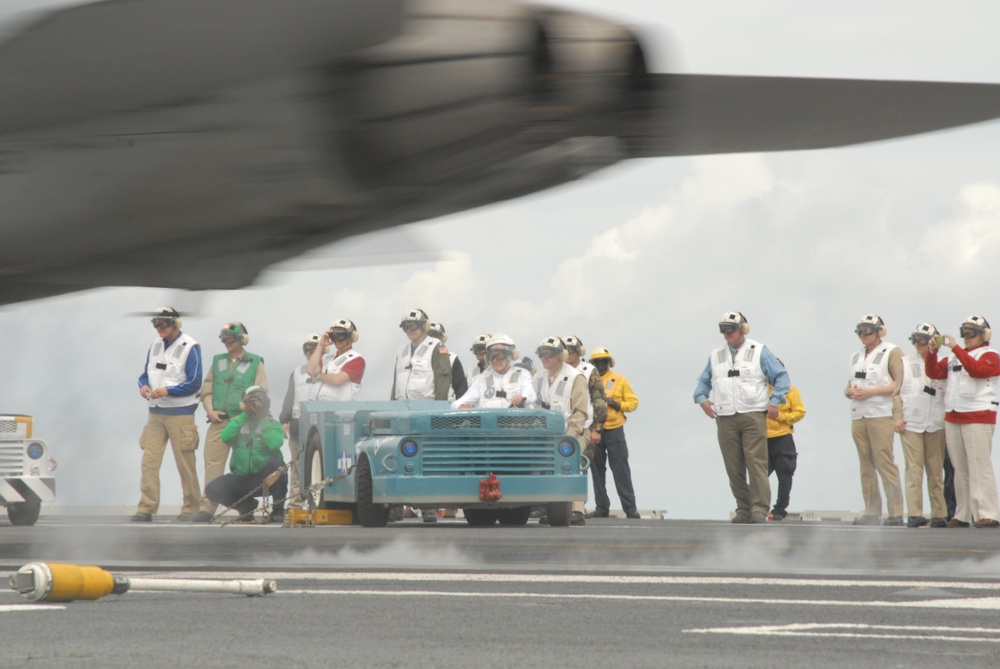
{"type": "Point", "coordinates": [494, 464]}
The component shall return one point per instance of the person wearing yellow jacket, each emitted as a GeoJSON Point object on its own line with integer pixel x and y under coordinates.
{"type": "Point", "coordinates": [612, 449]}
{"type": "Point", "coordinates": [781, 453]}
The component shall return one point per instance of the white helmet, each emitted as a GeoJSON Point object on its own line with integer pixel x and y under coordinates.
{"type": "Point", "coordinates": [167, 314]}
{"type": "Point", "coordinates": [734, 318]}
{"type": "Point", "coordinates": [313, 341]}
{"type": "Point", "coordinates": [345, 324]}
{"type": "Point", "coordinates": [479, 343]}
{"type": "Point", "coordinates": [574, 344]}
{"type": "Point", "coordinates": [872, 322]}
{"type": "Point", "coordinates": [923, 330]}
{"type": "Point", "coordinates": [506, 342]}
{"type": "Point", "coordinates": [554, 343]}
{"type": "Point", "coordinates": [981, 324]}
{"type": "Point", "coordinates": [415, 314]}
{"type": "Point", "coordinates": [435, 329]}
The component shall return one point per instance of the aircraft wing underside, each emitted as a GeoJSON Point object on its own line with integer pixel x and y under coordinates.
{"type": "Point", "coordinates": [205, 181]}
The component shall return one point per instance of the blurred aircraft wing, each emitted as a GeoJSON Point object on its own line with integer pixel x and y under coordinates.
{"type": "Point", "coordinates": [708, 114]}
{"type": "Point", "coordinates": [194, 143]}
{"type": "Point", "coordinates": [114, 55]}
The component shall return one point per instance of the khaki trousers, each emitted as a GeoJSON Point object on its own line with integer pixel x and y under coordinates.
{"type": "Point", "coordinates": [216, 455]}
{"type": "Point", "coordinates": [970, 446]}
{"type": "Point", "coordinates": [294, 496]}
{"type": "Point", "coordinates": [874, 437]}
{"type": "Point", "coordinates": [183, 436]}
{"type": "Point", "coordinates": [743, 442]}
{"type": "Point", "coordinates": [924, 451]}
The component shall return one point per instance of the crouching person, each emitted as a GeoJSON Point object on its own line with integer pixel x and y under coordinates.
{"type": "Point", "coordinates": [255, 439]}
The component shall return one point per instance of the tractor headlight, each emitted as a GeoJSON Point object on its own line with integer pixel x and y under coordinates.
{"type": "Point", "coordinates": [567, 448]}
{"type": "Point", "coordinates": [409, 448]}
{"type": "Point", "coordinates": [35, 450]}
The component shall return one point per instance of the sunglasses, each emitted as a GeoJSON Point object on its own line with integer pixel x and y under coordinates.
{"type": "Point", "coordinates": [227, 339]}
{"type": "Point", "coordinates": [162, 323]}
{"type": "Point", "coordinates": [919, 340]}
{"type": "Point", "coordinates": [865, 330]}
{"type": "Point", "coordinates": [547, 353]}
{"type": "Point", "coordinates": [727, 328]}
{"type": "Point", "coordinates": [969, 333]}
{"type": "Point", "coordinates": [339, 336]}
{"type": "Point", "coordinates": [410, 326]}
{"type": "Point", "coordinates": [497, 355]}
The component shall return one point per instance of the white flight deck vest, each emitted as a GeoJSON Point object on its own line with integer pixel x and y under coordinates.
{"type": "Point", "coordinates": [923, 397]}
{"type": "Point", "coordinates": [474, 372]}
{"type": "Point", "coordinates": [557, 390]}
{"type": "Point", "coordinates": [496, 390]}
{"type": "Point", "coordinates": [166, 368]}
{"type": "Point", "coordinates": [739, 384]}
{"type": "Point", "coordinates": [302, 387]}
{"type": "Point", "coordinates": [964, 393]}
{"type": "Point", "coordinates": [869, 371]}
{"type": "Point", "coordinates": [414, 375]}
{"type": "Point", "coordinates": [586, 368]}
{"type": "Point", "coordinates": [332, 364]}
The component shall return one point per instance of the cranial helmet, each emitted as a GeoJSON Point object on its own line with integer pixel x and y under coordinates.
{"type": "Point", "coordinates": [236, 329]}
{"type": "Point", "coordinates": [346, 324]}
{"type": "Point", "coordinates": [574, 344]}
{"type": "Point", "coordinates": [313, 340]}
{"type": "Point", "coordinates": [873, 320]}
{"type": "Point", "coordinates": [735, 318]}
{"type": "Point", "coordinates": [506, 342]}
{"type": "Point", "coordinates": [167, 313]}
{"type": "Point", "coordinates": [923, 330]}
{"type": "Point", "coordinates": [554, 343]}
{"type": "Point", "coordinates": [480, 341]}
{"type": "Point", "coordinates": [435, 329]}
{"type": "Point", "coordinates": [256, 393]}
{"type": "Point", "coordinates": [980, 324]}
{"type": "Point", "coordinates": [415, 315]}
{"type": "Point", "coordinates": [600, 354]}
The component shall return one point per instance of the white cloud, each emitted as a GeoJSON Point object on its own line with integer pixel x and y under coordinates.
{"type": "Point", "coordinates": [970, 241]}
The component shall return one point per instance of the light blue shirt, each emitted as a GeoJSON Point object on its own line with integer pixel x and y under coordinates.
{"type": "Point", "coordinates": [775, 372]}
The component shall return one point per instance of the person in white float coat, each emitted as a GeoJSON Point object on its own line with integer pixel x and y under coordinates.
{"type": "Point", "coordinates": [502, 385]}
{"type": "Point", "coordinates": [563, 388]}
{"type": "Point", "coordinates": [923, 433]}
{"type": "Point", "coordinates": [300, 383]}
{"type": "Point", "coordinates": [337, 376]}
{"type": "Point", "coordinates": [970, 402]}
{"type": "Point", "coordinates": [171, 385]}
{"type": "Point", "coordinates": [423, 367]}
{"type": "Point", "coordinates": [876, 413]}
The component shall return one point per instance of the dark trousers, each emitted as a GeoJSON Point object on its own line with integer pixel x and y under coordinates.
{"type": "Point", "coordinates": [612, 447]}
{"type": "Point", "coordinates": [228, 488]}
{"type": "Point", "coordinates": [781, 459]}
{"type": "Point", "coordinates": [949, 486]}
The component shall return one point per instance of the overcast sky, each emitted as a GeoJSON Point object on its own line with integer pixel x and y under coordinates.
{"type": "Point", "coordinates": [642, 258]}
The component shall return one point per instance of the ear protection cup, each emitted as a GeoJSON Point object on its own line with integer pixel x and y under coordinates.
{"type": "Point", "coordinates": [744, 330]}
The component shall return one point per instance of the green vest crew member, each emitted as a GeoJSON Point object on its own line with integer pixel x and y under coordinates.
{"type": "Point", "coordinates": [228, 378]}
